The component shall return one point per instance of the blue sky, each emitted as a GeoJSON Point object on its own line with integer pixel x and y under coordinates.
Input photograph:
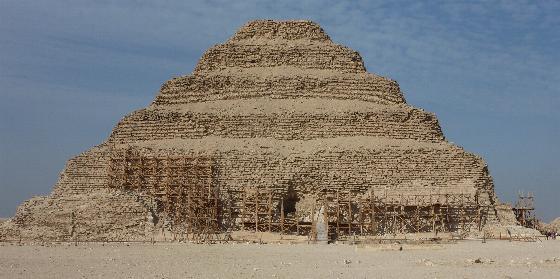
{"type": "Point", "coordinates": [69, 70]}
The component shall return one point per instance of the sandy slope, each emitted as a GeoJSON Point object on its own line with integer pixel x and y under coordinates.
{"type": "Point", "coordinates": [469, 259]}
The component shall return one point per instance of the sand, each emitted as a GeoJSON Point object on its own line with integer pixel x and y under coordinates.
{"type": "Point", "coordinates": [467, 259]}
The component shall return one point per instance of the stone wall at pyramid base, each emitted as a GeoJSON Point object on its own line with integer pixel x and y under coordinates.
{"type": "Point", "coordinates": [133, 192]}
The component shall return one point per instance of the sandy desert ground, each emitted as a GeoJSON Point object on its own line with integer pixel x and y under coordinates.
{"type": "Point", "coordinates": [466, 259]}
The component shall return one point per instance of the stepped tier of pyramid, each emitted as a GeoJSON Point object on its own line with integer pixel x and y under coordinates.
{"type": "Point", "coordinates": [273, 126]}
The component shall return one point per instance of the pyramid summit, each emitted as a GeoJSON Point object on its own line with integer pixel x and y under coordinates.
{"type": "Point", "coordinates": [275, 130]}
{"type": "Point", "coordinates": [281, 30]}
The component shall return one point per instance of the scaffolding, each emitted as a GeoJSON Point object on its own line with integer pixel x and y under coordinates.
{"type": "Point", "coordinates": [182, 187]}
{"type": "Point", "coordinates": [193, 207]}
{"type": "Point", "coordinates": [349, 215]}
{"type": "Point", "coordinates": [524, 210]}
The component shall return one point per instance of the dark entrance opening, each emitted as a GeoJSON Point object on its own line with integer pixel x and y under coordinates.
{"type": "Point", "coordinates": [290, 201]}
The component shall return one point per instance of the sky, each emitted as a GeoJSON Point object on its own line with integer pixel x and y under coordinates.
{"type": "Point", "coordinates": [490, 70]}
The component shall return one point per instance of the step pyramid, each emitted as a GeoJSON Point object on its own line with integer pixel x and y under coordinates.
{"type": "Point", "coordinates": [278, 106]}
